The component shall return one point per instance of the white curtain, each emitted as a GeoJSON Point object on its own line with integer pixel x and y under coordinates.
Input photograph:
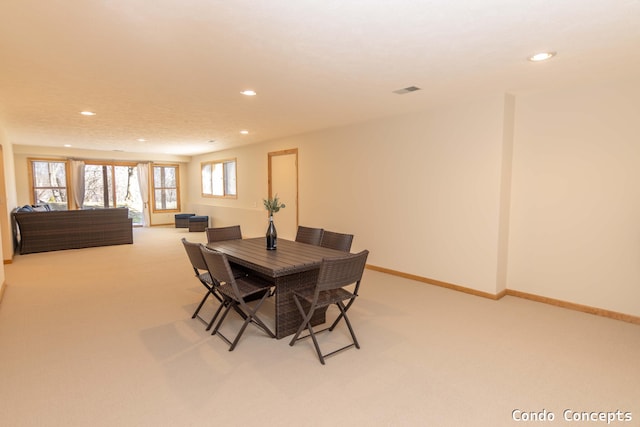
{"type": "Point", "coordinates": [143, 180]}
{"type": "Point", "coordinates": [77, 182]}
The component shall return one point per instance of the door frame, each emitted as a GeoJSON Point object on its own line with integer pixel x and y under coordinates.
{"type": "Point", "coordinates": [270, 156]}
{"type": "Point", "coordinates": [6, 232]}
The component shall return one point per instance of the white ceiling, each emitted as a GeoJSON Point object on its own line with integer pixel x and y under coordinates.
{"type": "Point", "coordinates": [171, 71]}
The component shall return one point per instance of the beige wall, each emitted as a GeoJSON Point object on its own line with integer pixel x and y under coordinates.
{"type": "Point", "coordinates": [3, 237]}
{"type": "Point", "coordinates": [536, 193]}
{"type": "Point", "coordinates": [421, 191]}
{"type": "Point", "coordinates": [247, 210]}
{"type": "Point", "coordinates": [575, 229]}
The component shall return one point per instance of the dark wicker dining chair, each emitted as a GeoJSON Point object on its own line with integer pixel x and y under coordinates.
{"type": "Point", "coordinates": [335, 274]}
{"type": "Point", "coordinates": [309, 235]}
{"type": "Point", "coordinates": [339, 241]}
{"type": "Point", "coordinates": [217, 234]}
{"type": "Point", "coordinates": [202, 273]}
{"type": "Point", "coordinates": [236, 294]}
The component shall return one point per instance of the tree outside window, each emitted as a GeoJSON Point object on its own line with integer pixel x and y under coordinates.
{"type": "Point", "coordinates": [113, 185]}
{"type": "Point", "coordinates": [49, 183]}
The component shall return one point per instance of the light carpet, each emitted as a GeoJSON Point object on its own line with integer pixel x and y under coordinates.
{"type": "Point", "coordinates": [104, 337]}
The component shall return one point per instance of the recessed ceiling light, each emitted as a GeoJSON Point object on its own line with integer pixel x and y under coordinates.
{"type": "Point", "coordinates": [542, 56]}
{"type": "Point", "coordinates": [142, 140]}
{"type": "Point", "coordinates": [67, 145]}
{"type": "Point", "coordinates": [249, 92]}
{"type": "Point", "coordinates": [244, 132]}
{"type": "Point", "coordinates": [87, 113]}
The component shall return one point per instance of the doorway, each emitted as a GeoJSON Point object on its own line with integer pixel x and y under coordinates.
{"type": "Point", "coordinates": [283, 181]}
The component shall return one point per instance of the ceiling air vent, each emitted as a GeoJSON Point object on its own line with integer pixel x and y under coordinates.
{"type": "Point", "coordinates": [406, 90]}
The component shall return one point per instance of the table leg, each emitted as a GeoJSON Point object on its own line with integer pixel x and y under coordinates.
{"type": "Point", "coordinates": [288, 318]}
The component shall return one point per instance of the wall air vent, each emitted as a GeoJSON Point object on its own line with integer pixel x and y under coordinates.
{"type": "Point", "coordinates": [406, 90]}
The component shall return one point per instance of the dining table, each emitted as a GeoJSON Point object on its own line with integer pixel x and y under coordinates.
{"type": "Point", "coordinates": [291, 266]}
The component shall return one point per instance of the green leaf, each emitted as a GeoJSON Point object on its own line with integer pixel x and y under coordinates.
{"type": "Point", "coordinates": [273, 205]}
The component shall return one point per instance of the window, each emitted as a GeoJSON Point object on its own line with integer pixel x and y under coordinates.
{"type": "Point", "coordinates": [98, 186]}
{"type": "Point", "coordinates": [219, 179]}
{"type": "Point", "coordinates": [49, 183]}
{"type": "Point", "coordinates": [166, 196]}
{"type": "Point", "coordinates": [113, 185]}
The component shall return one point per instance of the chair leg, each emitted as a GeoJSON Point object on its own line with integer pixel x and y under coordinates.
{"type": "Point", "coordinates": [215, 316]}
{"type": "Point", "coordinates": [315, 343]}
{"type": "Point", "coordinates": [224, 314]}
{"type": "Point", "coordinates": [240, 332]}
{"type": "Point", "coordinates": [306, 324]}
{"type": "Point", "coordinates": [333, 325]}
{"type": "Point", "coordinates": [195, 313]}
{"type": "Point", "coordinates": [343, 312]}
{"type": "Point", "coordinates": [306, 319]}
{"type": "Point", "coordinates": [252, 317]}
{"type": "Point", "coordinates": [263, 326]}
{"type": "Point", "coordinates": [248, 318]}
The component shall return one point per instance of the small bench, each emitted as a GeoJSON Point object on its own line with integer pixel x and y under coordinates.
{"type": "Point", "coordinates": [198, 222]}
{"type": "Point", "coordinates": [182, 220]}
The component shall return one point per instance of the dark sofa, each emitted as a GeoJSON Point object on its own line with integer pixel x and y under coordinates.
{"type": "Point", "coordinates": [58, 230]}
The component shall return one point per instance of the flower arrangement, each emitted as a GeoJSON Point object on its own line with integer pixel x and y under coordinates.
{"type": "Point", "coordinates": [273, 205]}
